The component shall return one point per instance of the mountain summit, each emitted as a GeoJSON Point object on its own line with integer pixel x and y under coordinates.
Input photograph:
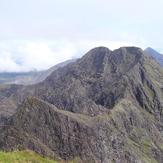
{"type": "Point", "coordinates": [105, 107]}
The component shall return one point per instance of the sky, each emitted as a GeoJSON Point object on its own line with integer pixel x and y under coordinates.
{"type": "Point", "coordinates": [37, 34]}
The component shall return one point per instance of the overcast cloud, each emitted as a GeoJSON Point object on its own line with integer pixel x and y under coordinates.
{"type": "Point", "coordinates": [37, 34]}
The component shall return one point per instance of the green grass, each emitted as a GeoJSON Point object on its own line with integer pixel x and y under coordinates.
{"type": "Point", "coordinates": [23, 157]}
{"type": "Point", "coordinates": [28, 156]}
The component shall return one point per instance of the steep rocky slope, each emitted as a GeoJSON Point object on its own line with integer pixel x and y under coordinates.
{"type": "Point", "coordinates": [12, 89]}
{"type": "Point", "coordinates": [106, 107]}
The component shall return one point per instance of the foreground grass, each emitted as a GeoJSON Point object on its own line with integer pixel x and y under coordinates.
{"type": "Point", "coordinates": [29, 157]}
{"type": "Point", "coordinates": [23, 157]}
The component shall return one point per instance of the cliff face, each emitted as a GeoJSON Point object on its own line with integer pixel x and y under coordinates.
{"type": "Point", "coordinates": [105, 107]}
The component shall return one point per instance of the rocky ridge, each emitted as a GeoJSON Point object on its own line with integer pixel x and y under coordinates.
{"type": "Point", "coordinates": [105, 107]}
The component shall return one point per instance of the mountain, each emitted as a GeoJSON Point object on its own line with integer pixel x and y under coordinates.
{"type": "Point", "coordinates": [156, 55]}
{"type": "Point", "coordinates": [28, 78]}
{"type": "Point", "coordinates": [105, 107]}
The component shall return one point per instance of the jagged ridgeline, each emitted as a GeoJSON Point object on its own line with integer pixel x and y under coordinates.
{"type": "Point", "coordinates": [105, 107]}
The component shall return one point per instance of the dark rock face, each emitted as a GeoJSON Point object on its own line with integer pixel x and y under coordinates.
{"type": "Point", "coordinates": [88, 86]}
{"type": "Point", "coordinates": [105, 107]}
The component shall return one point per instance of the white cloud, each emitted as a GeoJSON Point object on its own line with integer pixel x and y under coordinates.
{"type": "Point", "coordinates": [20, 56]}
{"type": "Point", "coordinates": [7, 64]}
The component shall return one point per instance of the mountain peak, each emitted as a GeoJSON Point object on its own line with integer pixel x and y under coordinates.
{"type": "Point", "coordinates": [97, 52]}
{"type": "Point", "coordinates": [102, 60]}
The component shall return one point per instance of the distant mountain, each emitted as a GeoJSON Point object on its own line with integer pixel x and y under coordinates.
{"type": "Point", "coordinates": [105, 107]}
{"type": "Point", "coordinates": [156, 55]}
{"type": "Point", "coordinates": [28, 78]}
{"type": "Point", "coordinates": [17, 78]}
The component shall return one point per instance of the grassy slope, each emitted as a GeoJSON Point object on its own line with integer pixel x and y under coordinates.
{"type": "Point", "coordinates": [29, 157]}
{"type": "Point", "coordinates": [23, 157]}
